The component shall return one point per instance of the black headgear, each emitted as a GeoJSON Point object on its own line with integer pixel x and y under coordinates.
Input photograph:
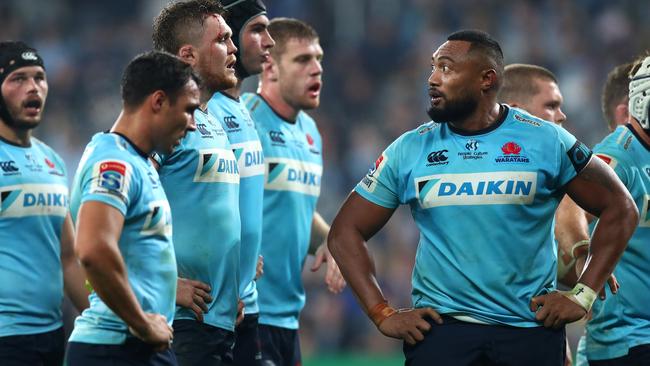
{"type": "Point", "coordinates": [14, 55]}
{"type": "Point", "coordinates": [239, 13]}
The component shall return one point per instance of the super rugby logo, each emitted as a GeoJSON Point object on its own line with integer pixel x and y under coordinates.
{"type": "Point", "coordinates": [293, 175]}
{"type": "Point", "coordinates": [216, 165]}
{"type": "Point", "coordinates": [112, 177]}
{"type": "Point", "coordinates": [493, 188]}
{"type": "Point", "coordinates": [368, 182]}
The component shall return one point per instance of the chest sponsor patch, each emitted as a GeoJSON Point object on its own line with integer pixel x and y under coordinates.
{"type": "Point", "coordinates": [34, 200]}
{"type": "Point", "coordinates": [250, 158]}
{"type": "Point", "coordinates": [471, 189]}
{"type": "Point", "coordinates": [216, 166]}
{"type": "Point", "coordinates": [284, 174]}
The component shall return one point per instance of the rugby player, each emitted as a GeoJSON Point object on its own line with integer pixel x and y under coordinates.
{"type": "Point", "coordinates": [483, 181]}
{"type": "Point", "coordinates": [290, 83]}
{"type": "Point", "coordinates": [201, 179]}
{"type": "Point", "coordinates": [123, 218]}
{"type": "Point", "coordinates": [248, 21]}
{"type": "Point", "coordinates": [37, 260]}
{"type": "Point", "coordinates": [619, 330]}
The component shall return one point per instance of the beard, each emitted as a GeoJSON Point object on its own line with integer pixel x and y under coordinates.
{"type": "Point", "coordinates": [454, 110]}
{"type": "Point", "coordinates": [15, 123]}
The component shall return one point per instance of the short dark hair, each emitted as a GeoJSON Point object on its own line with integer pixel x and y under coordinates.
{"type": "Point", "coordinates": [182, 23]}
{"type": "Point", "coordinates": [519, 82]}
{"type": "Point", "coordinates": [152, 71]}
{"type": "Point", "coordinates": [284, 29]}
{"type": "Point", "coordinates": [615, 91]}
{"type": "Point", "coordinates": [482, 42]}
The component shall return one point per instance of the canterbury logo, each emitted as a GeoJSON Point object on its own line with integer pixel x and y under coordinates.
{"type": "Point", "coordinates": [29, 55]}
{"type": "Point", "coordinates": [8, 166]}
{"type": "Point", "coordinates": [437, 156]}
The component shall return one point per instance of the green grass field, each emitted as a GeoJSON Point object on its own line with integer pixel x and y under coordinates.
{"type": "Point", "coordinates": [355, 360]}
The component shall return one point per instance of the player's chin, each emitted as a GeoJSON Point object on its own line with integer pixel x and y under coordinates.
{"type": "Point", "coordinates": [28, 122]}
{"type": "Point", "coordinates": [230, 81]}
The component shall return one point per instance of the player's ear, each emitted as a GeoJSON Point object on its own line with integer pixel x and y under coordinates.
{"type": "Point", "coordinates": [157, 100]}
{"type": "Point", "coordinates": [489, 79]}
{"type": "Point", "coordinates": [187, 53]}
{"type": "Point", "coordinates": [621, 114]}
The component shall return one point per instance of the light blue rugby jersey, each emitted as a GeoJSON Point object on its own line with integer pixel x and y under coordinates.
{"type": "Point", "coordinates": [201, 179]}
{"type": "Point", "coordinates": [114, 172]}
{"type": "Point", "coordinates": [245, 142]}
{"type": "Point", "coordinates": [484, 204]}
{"type": "Point", "coordinates": [293, 165]}
{"type": "Point", "coordinates": [622, 321]}
{"type": "Point", "coordinates": [33, 206]}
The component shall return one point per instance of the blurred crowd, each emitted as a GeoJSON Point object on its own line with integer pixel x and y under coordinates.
{"type": "Point", "coordinates": [377, 61]}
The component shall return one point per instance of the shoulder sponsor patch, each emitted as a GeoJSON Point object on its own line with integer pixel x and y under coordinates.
{"type": "Point", "coordinates": [369, 181]}
{"type": "Point", "coordinates": [490, 188]}
{"type": "Point", "coordinates": [579, 155]}
{"type": "Point", "coordinates": [112, 177]}
{"type": "Point", "coordinates": [609, 160]}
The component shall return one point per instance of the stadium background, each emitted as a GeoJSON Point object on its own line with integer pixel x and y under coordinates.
{"type": "Point", "coordinates": [377, 60]}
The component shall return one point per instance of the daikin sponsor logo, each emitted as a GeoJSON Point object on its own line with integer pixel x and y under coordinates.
{"type": "Point", "coordinates": [491, 188]}
{"type": "Point", "coordinates": [284, 174]}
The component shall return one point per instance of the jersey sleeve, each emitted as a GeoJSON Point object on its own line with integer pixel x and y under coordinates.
{"type": "Point", "coordinates": [110, 181]}
{"type": "Point", "coordinates": [573, 156]}
{"type": "Point", "coordinates": [381, 184]}
{"type": "Point", "coordinates": [610, 155]}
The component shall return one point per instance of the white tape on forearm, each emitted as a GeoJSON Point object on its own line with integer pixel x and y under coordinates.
{"type": "Point", "coordinates": [582, 295]}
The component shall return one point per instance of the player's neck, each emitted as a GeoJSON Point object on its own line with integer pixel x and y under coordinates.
{"type": "Point", "coordinates": [235, 91]}
{"type": "Point", "coordinates": [15, 136]}
{"type": "Point", "coordinates": [132, 127]}
{"type": "Point", "coordinates": [483, 117]}
{"type": "Point", "coordinates": [640, 132]}
{"type": "Point", "coordinates": [278, 104]}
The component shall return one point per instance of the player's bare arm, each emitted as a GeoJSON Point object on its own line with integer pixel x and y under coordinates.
{"type": "Point", "coordinates": [98, 230]}
{"type": "Point", "coordinates": [347, 242]}
{"type": "Point", "coordinates": [318, 247]}
{"type": "Point", "coordinates": [596, 189]}
{"type": "Point", "coordinates": [73, 276]}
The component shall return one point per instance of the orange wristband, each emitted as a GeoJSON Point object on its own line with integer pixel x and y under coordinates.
{"type": "Point", "coordinates": [381, 312]}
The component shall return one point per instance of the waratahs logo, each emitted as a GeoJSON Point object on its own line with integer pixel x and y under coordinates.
{"type": "Point", "coordinates": [511, 148]}
{"type": "Point", "coordinates": [512, 153]}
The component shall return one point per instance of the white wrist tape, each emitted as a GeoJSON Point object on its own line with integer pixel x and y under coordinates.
{"type": "Point", "coordinates": [582, 295]}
